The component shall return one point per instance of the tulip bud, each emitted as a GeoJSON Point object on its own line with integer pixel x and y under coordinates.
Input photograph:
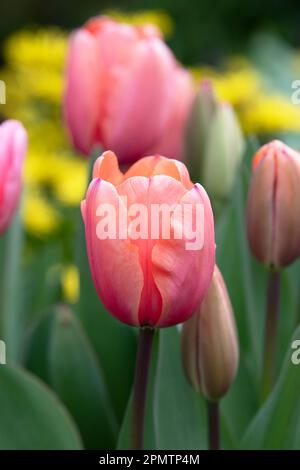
{"type": "Point", "coordinates": [214, 143]}
{"type": "Point", "coordinates": [273, 208]}
{"type": "Point", "coordinates": [209, 343]}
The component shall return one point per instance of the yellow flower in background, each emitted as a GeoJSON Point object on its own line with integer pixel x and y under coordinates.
{"type": "Point", "coordinates": [159, 18]}
{"type": "Point", "coordinates": [45, 47]}
{"type": "Point", "coordinates": [271, 114]}
{"type": "Point", "coordinates": [40, 217]}
{"type": "Point", "coordinates": [70, 283]}
{"type": "Point", "coordinates": [53, 173]}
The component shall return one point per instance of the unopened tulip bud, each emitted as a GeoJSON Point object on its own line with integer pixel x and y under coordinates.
{"type": "Point", "coordinates": [209, 343]}
{"type": "Point", "coordinates": [273, 209]}
{"type": "Point", "coordinates": [214, 143]}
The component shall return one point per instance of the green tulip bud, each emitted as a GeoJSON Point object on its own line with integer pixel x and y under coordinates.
{"type": "Point", "coordinates": [214, 144]}
{"type": "Point", "coordinates": [209, 343]}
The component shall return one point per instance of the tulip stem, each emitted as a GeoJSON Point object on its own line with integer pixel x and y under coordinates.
{"type": "Point", "coordinates": [213, 412]}
{"type": "Point", "coordinates": [271, 330]}
{"type": "Point", "coordinates": [142, 368]}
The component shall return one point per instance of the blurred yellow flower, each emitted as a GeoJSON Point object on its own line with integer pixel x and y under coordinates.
{"type": "Point", "coordinates": [159, 18]}
{"type": "Point", "coordinates": [70, 283]}
{"type": "Point", "coordinates": [40, 217]}
{"type": "Point", "coordinates": [45, 47]}
{"type": "Point", "coordinates": [271, 114]}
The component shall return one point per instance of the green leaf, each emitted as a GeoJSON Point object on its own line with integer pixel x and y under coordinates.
{"type": "Point", "coordinates": [179, 412]}
{"type": "Point", "coordinates": [36, 351]}
{"type": "Point", "coordinates": [276, 426]}
{"type": "Point", "coordinates": [77, 378]}
{"type": "Point", "coordinates": [114, 342]}
{"type": "Point", "coordinates": [31, 416]}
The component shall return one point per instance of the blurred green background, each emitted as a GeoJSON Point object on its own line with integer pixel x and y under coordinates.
{"type": "Point", "coordinates": [204, 30]}
{"type": "Point", "coordinates": [250, 50]}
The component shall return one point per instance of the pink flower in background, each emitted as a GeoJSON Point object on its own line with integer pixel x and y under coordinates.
{"type": "Point", "coordinates": [154, 282]}
{"type": "Point", "coordinates": [13, 145]}
{"type": "Point", "coordinates": [124, 91]}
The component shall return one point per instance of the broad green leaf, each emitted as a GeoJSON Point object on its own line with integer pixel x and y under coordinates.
{"type": "Point", "coordinates": [36, 352]}
{"type": "Point", "coordinates": [276, 426]}
{"type": "Point", "coordinates": [78, 380]}
{"type": "Point", "coordinates": [114, 342]}
{"type": "Point", "coordinates": [31, 415]}
{"type": "Point", "coordinates": [179, 412]}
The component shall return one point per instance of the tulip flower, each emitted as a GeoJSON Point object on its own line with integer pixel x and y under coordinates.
{"type": "Point", "coordinates": [273, 209]}
{"type": "Point", "coordinates": [214, 143]}
{"type": "Point", "coordinates": [153, 279]}
{"type": "Point", "coordinates": [210, 350]}
{"type": "Point", "coordinates": [149, 265]}
{"type": "Point", "coordinates": [273, 228]}
{"type": "Point", "coordinates": [13, 144]}
{"type": "Point", "coordinates": [124, 91]}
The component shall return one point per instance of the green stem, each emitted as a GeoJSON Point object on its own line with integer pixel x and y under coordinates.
{"type": "Point", "coordinates": [271, 333]}
{"type": "Point", "coordinates": [213, 414]}
{"type": "Point", "coordinates": [10, 321]}
{"type": "Point", "coordinates": [142, 367]}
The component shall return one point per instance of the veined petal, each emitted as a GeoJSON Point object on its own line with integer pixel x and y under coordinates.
{"type": "Point", "coordinates": [183, 275]}
{"type": "Point", "coordinates": [114, 262]}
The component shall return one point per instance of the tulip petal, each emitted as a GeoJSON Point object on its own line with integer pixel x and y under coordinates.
{"type": "Point", "coordinates": [138, 104]}
{"type": "Point", "coordinates": [84, 88]}
{"type": "Point", "coordinates": [148, 192]}
{"type": "Point", "coordinates": [13, 145]}
{"type": "Point", "coordinates": [113, 261]}
{"type": "Point", "coordinates": [158, 165]}
{"type": "Point", "coordinates": [260, 206]}
{"type": "Point", "coordinates": [106, 167]}
{"type": "Point", "coordinates": [171, 142]}
{"type": "Point", "coordinates": [174, 265]}
{"type": "Point", "coordinates": [286, 243]}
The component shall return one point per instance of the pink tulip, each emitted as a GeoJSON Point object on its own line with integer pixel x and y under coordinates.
{"type": "Point", "coordinates": [154, 281]}
{"type": "Point", "coordinates": [13, 145]}
{"type": "Point", "coordinates": [124, 90]}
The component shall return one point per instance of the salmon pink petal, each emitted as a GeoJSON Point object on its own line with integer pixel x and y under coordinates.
{"type": "Point", "coordinates": [259, 207]}
{"type": "Point", "coordinates": [138, 103]}
{"type": "Point", "coordinates": [286, 242]}
{"type": "Point", "coordinates": [158, 190]}
{"type": "Point", "coordinates": [82, 104]}
{"type": "Point", "coordinates": [106, 167]}
{"type": "Point", "coordinates": [113, 261]}
{"type": "Point", "coordinates": [177, 270]}
{"type": "Point", "coordinates": [171, 142]}
{"type": "Point", "coordinates": [158, 165]}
